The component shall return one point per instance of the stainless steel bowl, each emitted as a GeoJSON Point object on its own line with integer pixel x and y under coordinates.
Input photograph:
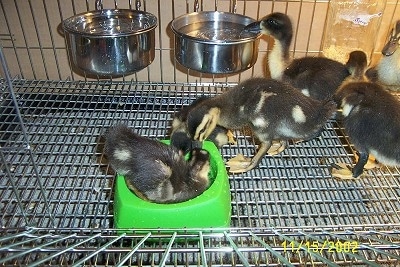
{"type": "Point", "coordinates": [213, 42]}
{"type": "Point", "coordinates": [110, 42]}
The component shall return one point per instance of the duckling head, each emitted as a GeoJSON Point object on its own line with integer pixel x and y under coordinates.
{"type": "Point", "coordinates": [180, 136]}
{"type": "Point", "coordinates": [201, 121]}
{"type": "Point", "coordinates": [393, 43]}
{"type": "Point", "coordinates": [183, 142]}
{"type": "Point", "coordinates": [278, 25]}
{"type": "Point", "coordinates": [357, 64]}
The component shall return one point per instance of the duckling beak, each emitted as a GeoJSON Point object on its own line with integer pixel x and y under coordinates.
{"type": "Point", "coordinates": [390, 47]}
{"type": "Point", "coordinates": [253, 27]}
{"type": "Point", "coordinates": [393, 43]}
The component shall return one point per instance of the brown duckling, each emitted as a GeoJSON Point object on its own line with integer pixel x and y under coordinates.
{"type": "Point", "coordinates": [180, 137]}
{"type": "Point", "coordinates": [371, 117]}
{"type": "Point", "coordinates": [274, 110]}
{"type": "Point", "coordinates": [356, 65]}
{"type": "Point", "coordinates": [154, 170]}
{"type": "Point", "coordinates": [317, 77]}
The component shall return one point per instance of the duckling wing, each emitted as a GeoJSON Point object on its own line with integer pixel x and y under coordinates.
{"type": "Point", "coordinates": [316, 77]}
{"type": "Point", "coordinates": [145, 162]}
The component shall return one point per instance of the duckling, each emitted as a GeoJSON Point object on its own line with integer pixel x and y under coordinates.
{"type": "Point", "coordinates": [181, 138]}
{"type": "Point", "coordinates": [274, 110]}
{"type": "Point", "coordinates": [153, 170]}
{"type": "Point", "coordinates": [317, 77]}
{"type": "Point", "coordinates": [371, 118]}
{"type": "Point", "coordinates": [356, 65]}
{"type": "Point", "coordinates": [387, 71]}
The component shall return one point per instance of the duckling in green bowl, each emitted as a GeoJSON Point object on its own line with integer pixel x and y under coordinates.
{"type": "Point", "coordinates": [159, 187]}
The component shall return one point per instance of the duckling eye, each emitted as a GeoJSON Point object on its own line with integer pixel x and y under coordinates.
{"type": "Point", "coordinates": [272, 22]}
{"type": "Point", "coordinates": [393, 34]}
{"type": "Point", "coordinates": [394, 37]}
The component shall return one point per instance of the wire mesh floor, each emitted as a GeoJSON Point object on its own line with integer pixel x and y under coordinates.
{"type": "Point", "coordinates": [56, 176]}
{"type": "Point", "coordinates": [64, 123]}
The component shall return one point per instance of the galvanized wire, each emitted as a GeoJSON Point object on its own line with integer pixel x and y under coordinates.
{"type": "Point", "coordinates": [66, 119]}
{"type": "Point", "coordinates": [269, 247]}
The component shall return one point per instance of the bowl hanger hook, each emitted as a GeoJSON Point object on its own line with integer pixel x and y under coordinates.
{"type": "Point", "coordinates": [233, 6]}
{"type": "Point", "coordinates": [99, 4]}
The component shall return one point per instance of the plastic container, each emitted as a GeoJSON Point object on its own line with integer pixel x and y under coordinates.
{"type": "Point", "coordinates": [351, 25]}
{"type": "Point", "coordinates": [211, 209]}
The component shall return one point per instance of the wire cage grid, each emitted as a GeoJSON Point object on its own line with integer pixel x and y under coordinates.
{"type": "Point", "coordinates": [33, 38]}
{"type": "Point", "coordinates": [57, 189]}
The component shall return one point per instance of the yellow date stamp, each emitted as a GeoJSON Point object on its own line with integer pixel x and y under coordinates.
{"type": "Point", "coordinates": [318, 246]}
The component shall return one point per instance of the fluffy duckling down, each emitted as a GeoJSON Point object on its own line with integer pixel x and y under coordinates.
{"type": "Point", "coordinates": [180, 136]}
{"type": "Point", "coordinates": [388, 68]}
{"type": "Point", "coordinates": [371, 118]}
{"type": "Point", "coordinates": [274, 110]}
{"type": "Point", "coordinates": [153, 170]}
{"type": "Point", "coordinates": [317, 77]}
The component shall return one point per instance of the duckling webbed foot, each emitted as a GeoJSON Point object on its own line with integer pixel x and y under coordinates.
{"type": "Point", "coordinates": [231, 138]}
{"type": "Point", "coordinates": [345, 172]}
{"type": "Point", "coordinates": [276, 147]}
{"type": "Point", "coordinates": [342, 171]}
{"type": "Point", "coordinates": [240, 164]}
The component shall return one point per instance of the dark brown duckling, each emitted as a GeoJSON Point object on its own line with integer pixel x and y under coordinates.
{"type": "Point", "coordinates": [317, 77]}
{"type": "Point", "coordinates": [180, 136]}
{"type": "Point", "coordinates": [371, 118]}
{"type": "Point", "coordinates": [274, 110]}
{"type": "Point", "coordinates": [155, 170]}
{"type": "Point", "coordinates": [356, 65]}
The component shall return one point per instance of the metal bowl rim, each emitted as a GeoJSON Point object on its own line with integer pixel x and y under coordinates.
{"type": "Point", "coordinates": [213, 42]}
{"type": "Point", "coordinates": [106, 12]}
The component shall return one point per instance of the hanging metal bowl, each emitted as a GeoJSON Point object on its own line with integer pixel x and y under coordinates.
{"type": "Point", "coordinates": [110, 42]}
{"type": "Point", "coordinates": [213, 42]}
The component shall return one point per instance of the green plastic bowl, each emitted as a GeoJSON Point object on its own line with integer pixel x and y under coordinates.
{"type": "Point", "coordinates": [211, 209]}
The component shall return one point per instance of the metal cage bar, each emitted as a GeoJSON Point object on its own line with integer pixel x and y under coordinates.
{"type": "Point", "coordinates": [40, 53]}
{"type": "Point", "coordinates": [243, 248]}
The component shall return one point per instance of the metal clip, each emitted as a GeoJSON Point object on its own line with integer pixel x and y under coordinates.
{"type": "Point", "coordinates": [99, 4]}
{"type": "Point", "coordinates": [234, 6]}
{"type": "Point", "coordinates": [138, 4]}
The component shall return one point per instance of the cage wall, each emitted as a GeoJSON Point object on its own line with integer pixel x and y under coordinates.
{"type": "Point", "coordinates": [32, 36]}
